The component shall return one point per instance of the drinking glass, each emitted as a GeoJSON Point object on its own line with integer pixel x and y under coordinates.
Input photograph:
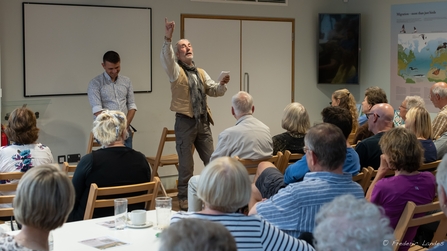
{"type": "Point", "coordinates": [120, 213]}
{"type": "Point", "coordinates": [163, 206]}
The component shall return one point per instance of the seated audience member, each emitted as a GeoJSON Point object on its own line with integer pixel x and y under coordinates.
{"type": "Point", "coordinates": [248, 139]}
{"type": "Point", "coordinates": [438, 96]}
{"type": "Point", "coordinates": [45, 197]}
{"type": "Point", "coordinates": [196, 234]}
{"type": "Point", "coordinates": [295, 121]}
{"type": "Point", "coordinates": [294, 207]}
{"type": "Point", "coordinates": [373, 95]}
{"type": "Point", "coordinates": [402, 153]}
{"type": "Point", "coordinates": [25, 152]}
{"type": "Point", "coordinates": [441, 145]}
{"type": "Point", "coordinates": [441, 180]}
{"type": "Point", "coordinates": [224, 187]}
{"type": "Point", "coordinates": [337, 116]}
{"type": "Point", "coordinates": [380, 120]}
{"type": "Point", "coordinates": [348, 223]}
{"type": "Point", "coordinates": [408, 103]}
{"type": "Point", "coordinates": [345, 99]}
{"type": "Point", "coordinates": [418, 122]}
{"type": "Point", "coordinates": [112, 165]}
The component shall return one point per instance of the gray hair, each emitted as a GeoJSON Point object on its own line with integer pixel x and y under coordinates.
{"type": "Point", "coordinates": [44, 199]}
{"type": "Point", "coordinates": [176, 47]}
{"type": "Point", "coordinates": [348, 224]}
{"type": "Point", "coordinates": [414, 101]}
{"type": "Point", "coordinates": [109, 126]}
{"type": "Point", "coordinates": [224, 185]}
{"type": "Point", "coordinates": [196, 234]}
{"type": "Point", "coordinates": [295, 118]}
{"type": "Point", "coordinates": [242, 103]}
{"type": "Point", "coordinates": [439, 89]}
{"type": "Point", "coordinates": [328, 143]}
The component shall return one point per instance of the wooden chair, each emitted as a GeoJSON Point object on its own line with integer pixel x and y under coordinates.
{"type": "Point", "coordinates": [159, 159]}
{"type": "Point", "coordinates": [430, 167]}
{"type": "Point", "coordinates": [92, 143]}
{"type": "Point", "coordinates": [150, 190]}
{"type": "Point", "coordinates": [363, 178]}
{"type": "Point", "coordinates": [285, 160]}
{"type": "Point", "coordinates": [373, 175]}
{"type": "Point", "coordinates": [9, 187]}
{"type": "Point", "coordinates": [69, 169]}
{"type": "Point", "coordinates": [252, 165]}
{"type": "Point", "coordinates": [408, 219]}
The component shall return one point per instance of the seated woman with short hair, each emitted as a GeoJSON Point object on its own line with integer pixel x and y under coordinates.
{"type": "Point", "coordinates": [224, 187]}
{"type": "Point", "coordinates": [24, 152]}
{"type": "Point", "coordinates": [401, 152]}
{"type": "Point", "coordinates": [112, 165]}
{"type": "Point", "coordinates": [295, 120]}
{"type": "Point", "coordinates": [45, 197]}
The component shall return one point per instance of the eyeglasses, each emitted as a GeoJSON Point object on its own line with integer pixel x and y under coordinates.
{"type": "Point", "coordinates": [372, 113]}
{"type": "Point", "coordinates": [403, 107]}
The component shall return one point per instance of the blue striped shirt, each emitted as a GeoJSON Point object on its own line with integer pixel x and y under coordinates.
{"type": "Point", "coordinates": [105, 94]}
{"type": "Point", "coordinates": [250, 232]}
{"type": "Point", "coordinates": [294, 207]}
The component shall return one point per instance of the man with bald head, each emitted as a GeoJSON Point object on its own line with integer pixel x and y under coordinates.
{"type": "Point", "coordinates": [380, 120]}
{"type": "Point", "coordinates": [190, 87]}
{"type": "Point", "coordinates": [438, 96]}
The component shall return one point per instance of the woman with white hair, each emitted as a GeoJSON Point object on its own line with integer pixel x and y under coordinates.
{"type": "Point", "coordinates": [224, 187]}
{"type": "Point", "coordinates": [45, 197]}
{"type": "Point", "coordinates": [348, 224]}
{"type": "Point", "coordinates": [112, 165]}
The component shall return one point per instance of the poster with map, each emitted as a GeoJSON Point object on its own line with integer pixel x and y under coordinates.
{"type": "Point", "coordinates": [418, 50]}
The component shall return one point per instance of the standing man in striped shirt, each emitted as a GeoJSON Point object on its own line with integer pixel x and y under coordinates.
{"type": "Point", "coordinates": [294, 207]}
{"type": "Point", "coordinates": [110, 91]}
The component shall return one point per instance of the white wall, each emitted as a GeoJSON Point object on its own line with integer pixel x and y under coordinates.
{"type": "Point", "coordinates": [65, 121]}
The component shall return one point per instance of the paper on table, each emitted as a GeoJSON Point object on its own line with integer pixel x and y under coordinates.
{"type": "Point", "coordinates": [222, 75]}
{"type": "Point", "coordinates": [103, 242]}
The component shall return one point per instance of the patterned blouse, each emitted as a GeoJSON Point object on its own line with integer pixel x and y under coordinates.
{"type": "Point", "coordinates": [8, 243]}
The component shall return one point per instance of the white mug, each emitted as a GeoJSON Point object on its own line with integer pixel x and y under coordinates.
{"type": "Point", "coordinates": [138, 217]}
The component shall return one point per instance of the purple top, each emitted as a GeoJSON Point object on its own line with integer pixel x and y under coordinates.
{"type": "Point", "coordinates": [393, 193]}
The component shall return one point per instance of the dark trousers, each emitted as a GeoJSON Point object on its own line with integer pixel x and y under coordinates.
{"type": "Point", "coordinates": [189, 132]}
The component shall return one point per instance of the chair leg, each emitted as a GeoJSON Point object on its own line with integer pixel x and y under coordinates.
{"type": "Point", "coordinates": [163, 189]}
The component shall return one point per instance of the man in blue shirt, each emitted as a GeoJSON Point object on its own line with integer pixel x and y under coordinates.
{"type": "Point", "coordinates": [110, 91]}
{"type": "Point", "coordinates": [293, 208]}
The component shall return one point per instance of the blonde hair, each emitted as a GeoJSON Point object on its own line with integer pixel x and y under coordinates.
{"type": "Point", "coordinates": [224, 185]}
{"type": "Point", "coordinates": [418, 121]}
{"type": "Point", "coordinates": [295, 118]}
{"type": "Point", "coordinates": [109, 126]}
{"type": "Point", "coordinates": [347, 101]}
{"type": "Point", "coordinates": [45, 197]}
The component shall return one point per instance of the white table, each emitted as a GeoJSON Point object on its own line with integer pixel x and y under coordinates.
{"type": "Point", "coordinates": [68, 237]}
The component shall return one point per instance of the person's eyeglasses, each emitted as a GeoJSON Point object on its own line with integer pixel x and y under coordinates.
{"type": "Point", "coordinates": [369, 114]}
{"type": "Point", "coordinates": [403, 107]}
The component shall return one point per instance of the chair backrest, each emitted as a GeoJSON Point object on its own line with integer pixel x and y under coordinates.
{"type": "Point", "coordinates": [430, 167]}
{"type": "Point", "coordinates": [252, 165]}
{"type": "Point", "coordinates": [431, 214]}
{"type": "Point", "coordinates": [9, 187]}
{"type": "Point", "coordinates": [69, 169]}
{"type": "Point", "coordinates": [285, 160]}
{"type": "Point", "coordinates": [373, 175]}
{"type": "Point", "coordinates": [150, 190]}
{"type": "Point", "coordinates": [363, 178]}
{"type": "Point", "coordinates": [92, 143]}
{"type": "Point", "coordinates": [166, 136]}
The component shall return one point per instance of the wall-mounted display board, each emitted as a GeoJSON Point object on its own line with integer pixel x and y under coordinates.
{"type": "Point", "coordinates": [63, 46]}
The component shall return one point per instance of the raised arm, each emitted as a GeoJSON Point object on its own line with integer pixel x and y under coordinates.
{"type": "Point", "coordinates": [167, 56]}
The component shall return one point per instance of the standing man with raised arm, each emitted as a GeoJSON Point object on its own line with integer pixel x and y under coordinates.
{"type": "Point", "coordinates": [189, 87]}
{"type": "Point", "coordinates": [110, 91]}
